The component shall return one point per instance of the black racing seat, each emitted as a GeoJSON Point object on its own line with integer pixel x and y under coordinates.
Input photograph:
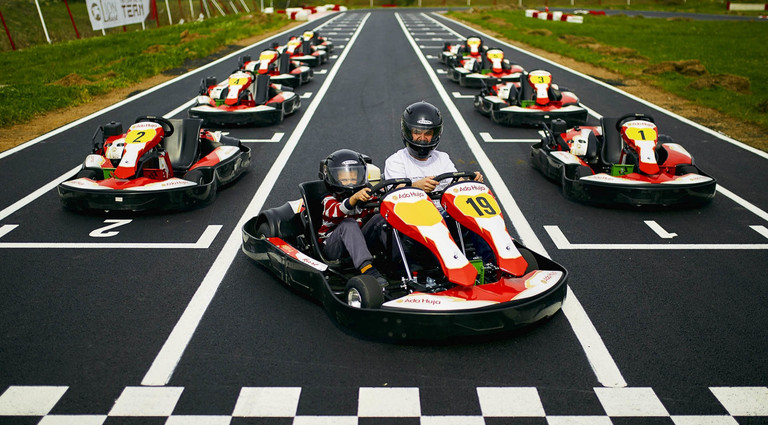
{"type": "Point", "coordinates": [612, 144]}
{"type": "Point", "coordinates": [313, 193]}
{"type": "Point", "coordinates": [183, 145]}
{"type": "Point", "coordinates": [261, 94]}
{"type": "Point", "coordinates": [283, 63]}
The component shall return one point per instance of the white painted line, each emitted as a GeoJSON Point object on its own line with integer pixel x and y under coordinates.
{"type": "Point", "coordinates": [30, 400]}
{"type": "Point", "coordinates": [741, 201]}
{"type": "Point", "coordinates": [659, 230]}
{"type": "Point", "coordinates": [441, 71]}
{"type": "Point", "coordinates": [181, 108]}
{"type": "Point", "coordinates": [562, 243]}
{"type": "Point", "coordinates": [458, 95]}
{"type": "Point", "coordinates": [610, 87]}
{"type": "Point", "coordinates": [322, 71]}
{"type": "Point", "coordinates": [489, 139]}
{"type": "Point", "coordinates": [4, 230]}
{"type": "Point", "coordinates": [275, 139]}
{"type": "Point", "coordinates": [743, 401]}
{"type": "Point", "coordinates": [631, 402]}
{"type": "Point", "coordinates": [143, 401]}
{"type": "Point", "coordinates": [267, 402]}
{"type": "Point", "coordinates": [388, 402]}
{"type": "Point", "coordinates": [496, 402]}
{"type": "Point", "coordinates": [597, 354]}
{"type": "Point", "coordinates": [21, 203]}
{"type": "Point", "coordinates": [203, 242]}
{"type": "Point", "coordinates": [759, 229]}
{"type": "Point", "coordinates": [170, 354]}
{"type": "Point", "coordinates": [306, 95]}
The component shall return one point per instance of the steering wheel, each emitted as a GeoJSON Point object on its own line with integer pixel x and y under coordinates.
{"type": "Point", "coordinates": [627, 117]}
{"type": "Point", "coordinates": [166, 124]}
{"type": "Point", "coordinates": [382, 188]}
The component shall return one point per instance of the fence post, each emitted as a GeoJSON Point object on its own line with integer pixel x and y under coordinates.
{"type": "Point", "coordinates": [45, 30]}
{"type": "Point", "coordinates": [8, 33]}
{"type": "Point", "coordinates": [77, 33]}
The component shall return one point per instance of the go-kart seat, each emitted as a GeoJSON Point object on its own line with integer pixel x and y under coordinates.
{"type": "Point", "coordinates": [283, 63]}
{"type": "Point", "coordinates": [183, 145]}
{"type": "Point", "coordinates": [261, 94]}
{"type": "Point", "coordinates": [612, 144]}
{"type": "Point", "coordinates": [313, 193]}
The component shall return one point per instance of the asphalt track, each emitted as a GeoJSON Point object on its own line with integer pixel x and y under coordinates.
{"type": "Point", "coordinates": [161, 319]}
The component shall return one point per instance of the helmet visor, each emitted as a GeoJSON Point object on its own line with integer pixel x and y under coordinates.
{"type": "Point", "coordinates": [350, 174]}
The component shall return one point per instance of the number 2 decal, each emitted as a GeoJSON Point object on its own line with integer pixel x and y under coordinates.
{"type": "Point", "coordinates": [102, 232]}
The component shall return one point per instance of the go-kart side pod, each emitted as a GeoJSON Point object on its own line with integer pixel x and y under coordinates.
{"type": "Point", "coordinates": [311, 277]}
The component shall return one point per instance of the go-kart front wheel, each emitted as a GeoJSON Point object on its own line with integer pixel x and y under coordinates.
{"type": "Point", "coordinates": [364, 292]}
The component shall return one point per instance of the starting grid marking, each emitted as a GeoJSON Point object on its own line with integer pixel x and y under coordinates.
{"type": "Point", "coordinates": [203, 242]}
{"type": "Point", "coordinates": [562, 242]}
{"type": "Point", "coordinates": [383, 402]}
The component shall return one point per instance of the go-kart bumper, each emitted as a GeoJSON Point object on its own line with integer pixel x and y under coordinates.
{"type": "Point", "coordinates": [606, 190]}
{"type": "Point", "coordinates": [261, 115]}
{"type": "Point", "coordinates": [518, 116]}
{"type": "Point", "coordinates": [639, 194]}
{"type": "Point", "coordinates": [84, 198]}
{"type": "Point", "coordinates": [175, 194]}
{"type": "Point", "coordinates": [309, 276]}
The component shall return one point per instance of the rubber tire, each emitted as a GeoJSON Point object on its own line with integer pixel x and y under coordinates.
{"type": "Point", "coordinates": [530, 259]}
{"type": "Point", "coordinates": [90, 174]}
{"type": "Point", "coordinates": [195, 176]}
{"type": "Point", "coordinates": [682, 170]}
{"type": "Point", "coordinates": [264, 231]}
{"type": "Point", "coordinates": [367, 289]}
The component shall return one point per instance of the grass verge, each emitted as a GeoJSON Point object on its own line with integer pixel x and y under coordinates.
{"type": "Point", "coordinates": [50, 77]}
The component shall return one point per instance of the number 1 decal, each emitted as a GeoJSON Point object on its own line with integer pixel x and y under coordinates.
{"type": "Point", "coordinates": [102, 232]}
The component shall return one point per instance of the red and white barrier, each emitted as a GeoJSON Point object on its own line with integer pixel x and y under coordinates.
{"type": "Point", "coordinates": [554, 16]}
{"type": "Point", "coordinates": [747, 6]}
{"type": "Point", "coordinates": [308, 13]}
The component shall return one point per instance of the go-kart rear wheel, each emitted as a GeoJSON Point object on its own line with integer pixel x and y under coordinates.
{"type": "Point", "coordinates": [364, 292]}
{"type": "Point", "coordinates": [530, 259]}
{"type": "Point", "coordinates": [264, 231]}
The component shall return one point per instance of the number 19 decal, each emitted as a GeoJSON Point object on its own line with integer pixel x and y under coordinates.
{"type": "Point", "coordinates": [482, 205]}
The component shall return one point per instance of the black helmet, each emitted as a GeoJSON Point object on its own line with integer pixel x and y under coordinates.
{"type": "Point", "coordinates": [422, 116]}
{"type": "Point", "coordinates": [344, 172]}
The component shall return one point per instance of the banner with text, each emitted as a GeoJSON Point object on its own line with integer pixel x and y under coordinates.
{"type": "Point", "coordinates": [115, 13]}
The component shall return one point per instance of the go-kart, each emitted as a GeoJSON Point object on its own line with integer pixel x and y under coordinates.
{"type": "Point", "coordinates": [245, 98]}
{"type": "Point", "coordinates": [299, 49]}
{"type": "Point", "coordinates": [437, 289]}
{"type": "Point", "coordinates": [624, 161]}
{"type": "Point", "coordinates": [532, 102]}
{"type": "Point", "coordinates": [157, 165]}
{"type": "Point", "coordinates": [453, 54]}
{"type": "Point", "coordinates": [491, 65]}
{"type": "Point", "coordinates": [315, 39]}
{"type": "Point", "coordinates": [281, 69]}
